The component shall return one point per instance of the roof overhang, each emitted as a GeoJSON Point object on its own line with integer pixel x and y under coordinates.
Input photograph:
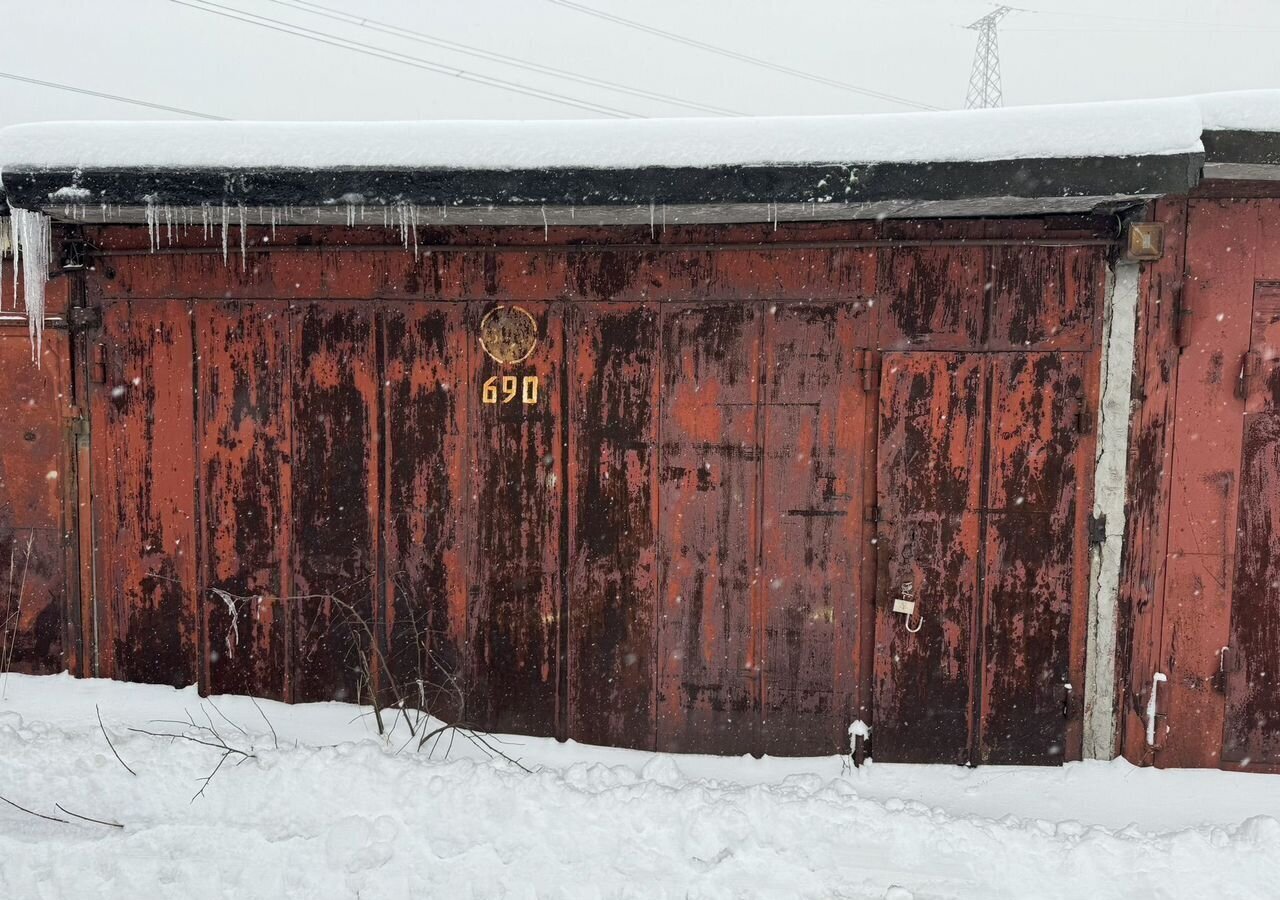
{"type": "Point", "coordinates": [1239, 154]}
{"type": "Point", "coordinates": [611, 195]}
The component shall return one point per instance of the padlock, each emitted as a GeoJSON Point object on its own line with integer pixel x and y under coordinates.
{"type": "Point", "coordinates": [905, 607]}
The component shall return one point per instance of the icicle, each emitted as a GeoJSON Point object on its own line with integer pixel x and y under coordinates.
{"type": "Point", "coordinates": [546, 227]}
{"type": "Point", "coordinates": [243, 251]}
{"type": "Point", "coordinates": [224, 233]}
{"type": "Point", "coordinates": [29, 234]}
{"type": "Point", "coordinates": [664, 218]}
{"type": "Point", "coordinates": [652, 233]}
{"type": "Point", "coordinates": [413, 224]}
{"type": "Point", "coordinates": [6, 247]}
{"type": "Point", "coordinates": [153, 227]}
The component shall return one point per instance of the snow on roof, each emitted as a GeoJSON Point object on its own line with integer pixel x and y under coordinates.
{"type": "Point", "coordinates": [1130, 128]}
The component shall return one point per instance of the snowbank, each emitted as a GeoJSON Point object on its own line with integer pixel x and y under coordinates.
{"type": "Point", "coordinates": [1128, 128]}
{"type": "Point", "coordinates": [326, 809]}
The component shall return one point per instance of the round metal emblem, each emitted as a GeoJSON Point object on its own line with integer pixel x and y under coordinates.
{"type": "Point", "coordinates": [508, 334]}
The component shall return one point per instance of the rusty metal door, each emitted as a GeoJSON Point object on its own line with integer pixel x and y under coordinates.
{"type": "Point", "coordinates": [709, 495]}
{"type": "Point", "coordinates": [1033, 556]}
{"type": "Point", "coordinates": [761, 522]}
{"type": "Point", "coordinates": [980, 544]}
{"type": "Point", "coordinates": [932, 412]}
{"type": "Point", "coordinates": [1252, 729]}
{"type": "Point", "coordinates": [813, 529]}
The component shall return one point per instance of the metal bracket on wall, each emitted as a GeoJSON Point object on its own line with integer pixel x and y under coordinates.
{"type": "Point", "coordinates": [871, 362]}
{"type": "Point", "coordinates": [1097, 529]}
{"type": "Point", "coordinates": [1181, 315]}
{"type": "Point", "coordinates": [84, 318]}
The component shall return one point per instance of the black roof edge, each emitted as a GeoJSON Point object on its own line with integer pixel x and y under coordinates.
{"type": "Point", "coordinates": [1128, 176]}
{"type": "Point", "coordinates": [1257, 148]}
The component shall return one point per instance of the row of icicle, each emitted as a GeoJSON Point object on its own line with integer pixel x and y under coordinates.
{"type": "Point", "coordinates": [29, 240]}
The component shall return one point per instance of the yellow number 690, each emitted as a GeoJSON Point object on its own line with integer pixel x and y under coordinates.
{"type": "Point", "coordinates": [526, 387]}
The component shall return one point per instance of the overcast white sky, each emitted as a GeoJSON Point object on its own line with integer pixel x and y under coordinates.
{"type": "Point", "coordinates": [167, 53]}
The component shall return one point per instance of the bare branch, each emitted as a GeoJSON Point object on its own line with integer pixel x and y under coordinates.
{"type": "Point", "coordinates": [88, 818]}
{"type": "Point", "coordinates": [221, 745]}
{"type": "Point", "coordinates": [274, 737]}
{"type": "Point", "coordinates": [36, 814]}
{"type": "Point", "coordinates": [208, 778]}
{"type": "Point", "coordinates": [111, 745]}
{"type": "Point", "coordinates": [225, 719]}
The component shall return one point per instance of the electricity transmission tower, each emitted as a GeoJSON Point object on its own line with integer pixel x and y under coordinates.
{"type": "Point", "coordinates": [985, 91]}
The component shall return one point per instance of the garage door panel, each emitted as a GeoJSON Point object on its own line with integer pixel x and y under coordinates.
{"type": "Point", "coordinates": [334, 501]}
{"type": "Point", "coordinates": [613, 571]}
{"type": "Point", "coordinates": [425, 464]}
{"type": "Point", "coordinates": [709, 516]}
{"type": "Point", "coordinates": [812, 519]}
{"type": "Point", "coordinates": [514, 552]}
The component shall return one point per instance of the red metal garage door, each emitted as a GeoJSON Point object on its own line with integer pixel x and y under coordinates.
{"type": "Point", "coordinates": [647, 525]}
{"type": "Point", "coordinates": [568, 543]}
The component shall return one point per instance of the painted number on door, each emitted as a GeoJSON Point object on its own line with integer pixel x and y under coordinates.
{"type": "Point", "coordinates": [505, 389]}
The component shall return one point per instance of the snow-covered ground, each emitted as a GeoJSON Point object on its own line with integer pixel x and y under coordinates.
{"type": "Point", "coordinates": [325, 808]}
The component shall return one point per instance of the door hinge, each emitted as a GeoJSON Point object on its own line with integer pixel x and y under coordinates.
{"type": "Point", "coordinates": [1219, 681]}
{"type": "Point", "coordinates": [1250, 367]}
{"type": "Point", "coordinates": [1097, 529]}
{"type": "Point", "coordinates": [84, 318]}
{"type": "Point", "coordinates": [1084, 418]}
{"type": "Point", "coordinates": [79, 426]}
{"type": "Point", "coordinates": [871, 361]}
{"type": "Point", "coordinates": [873, 513]}
{"type": "Point", "coordinates": [98, 363]}
{"type": "Point", "coordinates": [1181, 319]}
{"type": "Point", "coordinates": [1153, 707]}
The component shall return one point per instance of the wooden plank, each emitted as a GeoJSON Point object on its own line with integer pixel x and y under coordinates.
{"type": "Point", "coordinates": [812, 523]}
{"type": "Point", "coordinates": [932, 298]}
{"type": "Point", "coordinates": [708, 651]}
{"type": "Point", "coordinates": [613, 572]}
{"type": "Point", "coordinates": [1030, 564]}
{"type": "Point", "coordinates": [425, 402]}
{"type": "Point", "coordinates": [1149, 477]}
{"type": "Point", "coordinates": [245, 443]}
{"type": "Point", "coordinates": [515, 541]}
{"type": "Point", "coordinates": [34, 470]}
{"type": "Point", "coordinates": [931, 442]}
{"type": "Point", "coordinates": [145, 507]}
{"type": "Point", "coordinates": [1252, 731]}
{"type": "Point", "coordinates": [335, 501]}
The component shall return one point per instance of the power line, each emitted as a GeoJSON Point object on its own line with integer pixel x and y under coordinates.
{"type": "Point", "coordinates": [1135, 19]}
{"type": "Point", "coordinates": [1160, 29]}
{"type": "Point", "coordinates": [741, 57]}
{"type": "Point", "coordinates": [116, 97]}
{"type": "Point", "coordinates": [393, 56]}
{"type": "Point", "coordinates": [502, 58]}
